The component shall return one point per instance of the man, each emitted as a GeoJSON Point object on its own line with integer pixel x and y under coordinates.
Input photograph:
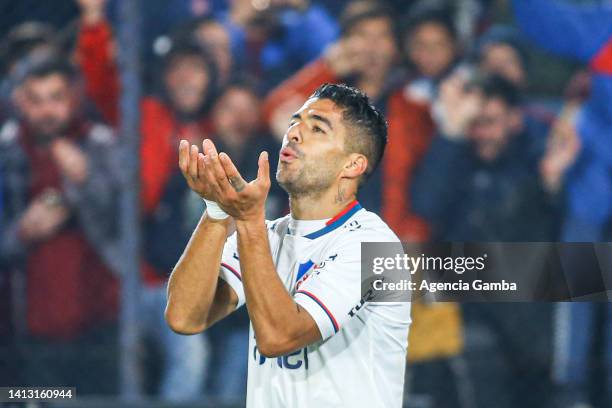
{"type": "Point", "coordinates": [60, 195]}
{"type": "Point", "coordinates": [431, 46]}
{"type": "Point", "coordinates": [214, 36]}
{"type": "Point", "coordinates": [478, 183]}
{"type": "Point", "coordinates": [314, 340]}
{"type": "Point", "coordinates": [494, 195]}
{"type": "Point", "coordinates": [186, 85]}
{"type": "Point", "coordinates": [181, 111]}
{"type": "Point", "coordinates": [366, 56]}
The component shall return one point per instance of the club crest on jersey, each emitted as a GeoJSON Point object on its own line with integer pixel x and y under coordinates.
{"type": "Point", "coordinates": [309, 268]}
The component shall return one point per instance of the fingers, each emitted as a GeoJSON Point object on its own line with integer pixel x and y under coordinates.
{"type": "Point", "coordinates": [193, 162]}
{"type": "Point", "coordinates": [263, 171]}
{"type": "Point", "coordinates": [216, 168]}
{"type": "Point", "coordinates": [184, 156]}
{"type": "Point", "coordinates": [201, 164]}
{"type": "Point", "coordinates": [209, 147]}
{"type": "Point", "coordinates": [235, 179]}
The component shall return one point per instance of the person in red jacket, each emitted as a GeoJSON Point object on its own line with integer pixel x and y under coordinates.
{"type": "Point", "coordinates": [367, 56]}
{"type": "Point", "coordinates": [58, 225]}
{"type": "Point", "coordinates": [178, 109]}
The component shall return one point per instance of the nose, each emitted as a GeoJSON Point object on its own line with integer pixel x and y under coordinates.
{"type": "Point", "coordinates": [294, 133]}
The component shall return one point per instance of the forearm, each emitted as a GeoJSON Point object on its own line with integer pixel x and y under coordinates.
{"type": "Point", "coordinates": [193, 282]}
{"type": "Point", "coordinates": [94, 55]}
{"type": "Point", "coordinates": [272, 310]}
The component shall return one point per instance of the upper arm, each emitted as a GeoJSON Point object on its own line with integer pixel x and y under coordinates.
{"type": "Point", "coordinates": [331, 291]}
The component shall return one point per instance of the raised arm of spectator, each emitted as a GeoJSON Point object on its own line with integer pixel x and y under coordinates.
{"type": "Point", "coordinates": [90, 173]}
{"type": "Point", "coordinates": [565, 28]}
{"type": "Point", "coordinates": [95, 54]}
{"type": "Point", "coordinates": [438, 179]}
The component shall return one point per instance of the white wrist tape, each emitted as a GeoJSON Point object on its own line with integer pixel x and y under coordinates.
{"type": "Point", "coordinates": [214, 211]}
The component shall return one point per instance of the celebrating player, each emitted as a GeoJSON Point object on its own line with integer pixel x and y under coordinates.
{"type": "Point", "coordinates": [314, 341]}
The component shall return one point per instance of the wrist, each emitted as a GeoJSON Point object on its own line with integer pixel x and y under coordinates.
{"type": "Point", "coordinates": [250, 225]}
{"type": "Point", "coordinates": [214, 211]}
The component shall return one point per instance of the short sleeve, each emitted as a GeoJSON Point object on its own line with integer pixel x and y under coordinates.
{"type": "Point", "coordinates": [230, 268]}
{"type": "Point", "coordinates": [331, 292]}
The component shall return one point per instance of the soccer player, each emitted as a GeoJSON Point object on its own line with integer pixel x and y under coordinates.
{"type": "Point", "coordinates": [314, 341]}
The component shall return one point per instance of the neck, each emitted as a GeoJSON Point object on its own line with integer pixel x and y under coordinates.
{"type": "Point", "coordinates": [319, 206]}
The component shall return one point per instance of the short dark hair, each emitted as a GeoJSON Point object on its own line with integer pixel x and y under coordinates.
{"type": "Point", "coordinates": [497, 87]}
{"type": "Point", "coordinates": [182, 47]}
{"type": "Point", "coordinates": [241, 81]}
{"type": "Point", "coordinates": [358, 11]}
{"type": "Point", "coordinates": [50, 66]}
{"type": "Point", "coordinates": [370, 136]}
{"type": "Point", "coordinates": [424, 13]}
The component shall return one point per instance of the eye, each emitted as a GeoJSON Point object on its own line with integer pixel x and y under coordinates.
{"type": "Point", "coordinates": [317, 129]}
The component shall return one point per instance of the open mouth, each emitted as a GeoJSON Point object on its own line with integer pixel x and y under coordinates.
{"type": "Point", "coordinates": [288, 155]}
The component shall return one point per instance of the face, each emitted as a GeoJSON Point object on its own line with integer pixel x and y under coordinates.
{"type": "Point", "coordinates": [378, 47]}
{"type": "Point", "coordinates": [47, 104]}
{"type": "Point", "coordinates": [431, 49]}
{"type": "Point", "coordinates": [503, 60]}
{"type": "Point", "coordinates": [313, 156]}
{"type": "Point", "coordinates": [236, 115]}
{"type": "Point", "coordinates": [216, 38]}
{"type": "Point", "coordinates": [187, 81]}
{"type": "Point", "coordinates": [492, 129]}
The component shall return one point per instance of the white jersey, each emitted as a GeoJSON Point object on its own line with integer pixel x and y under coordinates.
{"type": "Point", "coordinates": [361, 358]}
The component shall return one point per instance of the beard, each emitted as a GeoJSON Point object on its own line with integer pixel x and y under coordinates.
{"type": "Point", "coordinates": [303, 178]}
{"type": "Point", "coordinates": [49, 128]}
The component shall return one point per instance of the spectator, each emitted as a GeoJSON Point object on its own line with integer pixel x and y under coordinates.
{"type": "Point", "coordinates": [476, 184]}
{"type": "Point", "coordinates": [366, 56]}
{"type": "Point", "coordinates": [24, 41]}
{"type": "Point", "coordinates": [430, 45]}
{"type": "Point", "coordinates": [178, 110]}
{"type": "Point", "coordinates": [214, 36]}
{"type": "Point", "coordinates": [503, 51]}
{"type": "Point", "coordinates": [477, 146]}
{"type": "Point", "coordinates": [239, 131]}
{"type": "Point", "coordinates": [95, 55]}
{"type": "Point", "coordinates": [61, 194]}
{"type": "Point", "coordinates": [188, 81]}
{"type": "Point", "coordinates": [274, 42]}
{"type": "Point", "coordinates": [582, 32]}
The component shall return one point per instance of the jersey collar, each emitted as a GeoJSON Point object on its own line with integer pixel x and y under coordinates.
{"type": "Point", "coordinates": [337, 221]}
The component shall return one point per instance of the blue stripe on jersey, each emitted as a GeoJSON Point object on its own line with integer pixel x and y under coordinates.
{"type": "Point", "coordinates": [336, 222]}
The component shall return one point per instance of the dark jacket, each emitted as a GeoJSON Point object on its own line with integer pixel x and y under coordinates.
{"type": "Point", "coordinates": [466, 199]}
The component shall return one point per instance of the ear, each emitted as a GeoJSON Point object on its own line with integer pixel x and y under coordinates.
{"type": "Point", "coordinates": [355, 167]}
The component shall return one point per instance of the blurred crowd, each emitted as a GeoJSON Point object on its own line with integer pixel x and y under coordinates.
{"type": "Point", "coordinates": [474, 154]}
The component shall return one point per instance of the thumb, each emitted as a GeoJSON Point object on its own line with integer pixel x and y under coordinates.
{"type": "Point", "coordinates": [263, 172]}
